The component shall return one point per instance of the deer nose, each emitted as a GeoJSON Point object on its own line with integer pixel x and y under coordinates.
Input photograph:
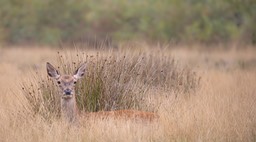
{"type": "Point", "coordinates": [67, 91]}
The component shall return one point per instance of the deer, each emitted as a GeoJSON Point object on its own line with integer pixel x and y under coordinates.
{"type": "Point", "coordinates": [69, 109]}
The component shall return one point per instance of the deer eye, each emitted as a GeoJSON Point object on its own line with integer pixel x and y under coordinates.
{"type": "Point", "coordinates": [58, 82]}
{"type": "Point", "coordinates": [74, 82]}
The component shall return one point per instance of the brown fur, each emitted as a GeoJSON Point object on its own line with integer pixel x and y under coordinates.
{"type": "Point", "coordinates": [125, 114]}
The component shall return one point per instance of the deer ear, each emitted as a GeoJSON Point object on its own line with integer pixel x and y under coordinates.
{"type": "Point", "coordinates": [52, 72]}
{"type": "Point", "coordinates": [79, 73]}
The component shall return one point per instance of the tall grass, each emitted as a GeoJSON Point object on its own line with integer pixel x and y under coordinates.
{"type": "Point", "coordinates": [221, 109]}
{"type": "Point", "coordinates": [114, 80]}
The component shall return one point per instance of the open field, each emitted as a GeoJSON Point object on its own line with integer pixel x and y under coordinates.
{"type": "Point", "coordinates": [221, 107]}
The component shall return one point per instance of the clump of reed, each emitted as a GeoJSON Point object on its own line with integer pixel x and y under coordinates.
{"type": "Point", "coordinates": [113, 80]}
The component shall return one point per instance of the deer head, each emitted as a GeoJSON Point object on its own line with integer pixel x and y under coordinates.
{"type": "Point", "coordinates": [66, 82]}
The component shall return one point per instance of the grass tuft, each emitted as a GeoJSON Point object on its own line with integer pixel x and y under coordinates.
{"type": "Point", "coordinates": [114, 80]}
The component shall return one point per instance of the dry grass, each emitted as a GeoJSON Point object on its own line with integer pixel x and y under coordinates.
{"type": "Point", "coordinates": [221, 109]}
{"type": "Point", "coordinates": [114, 80]}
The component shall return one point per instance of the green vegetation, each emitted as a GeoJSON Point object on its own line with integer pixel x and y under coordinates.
{"type": "Point", "coordinates": [113, 81]}
{"type": "Point", "coordinates": [54, 21]}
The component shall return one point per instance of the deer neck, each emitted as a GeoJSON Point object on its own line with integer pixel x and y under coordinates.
{"type": "Point", "coordinates": [68, 109]}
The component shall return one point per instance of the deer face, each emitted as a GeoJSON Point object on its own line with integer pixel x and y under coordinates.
{"type": "Point", "coordinates": [66, 82]}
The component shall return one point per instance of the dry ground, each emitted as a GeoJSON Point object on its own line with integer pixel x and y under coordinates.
{"type": "Point", "coordinates": [223, 108]}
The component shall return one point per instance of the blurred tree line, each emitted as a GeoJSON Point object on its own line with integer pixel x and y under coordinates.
{"type": "Point", "coordinates": [52, 21]}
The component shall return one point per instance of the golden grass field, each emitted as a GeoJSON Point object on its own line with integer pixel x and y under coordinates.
{"type": "Point", "coordinates": [222, 107]}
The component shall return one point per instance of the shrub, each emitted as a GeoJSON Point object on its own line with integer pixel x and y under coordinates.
{"type": "Point", "coordinates": [114, 80]}
{"type": "Point", "coordinates": [52, 21]}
